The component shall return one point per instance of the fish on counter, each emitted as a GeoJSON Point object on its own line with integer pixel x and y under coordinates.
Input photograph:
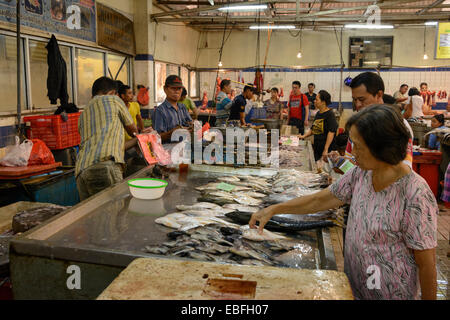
{"type": "Point", "coordinates": [247, 200]}
{"type": "Point", "coordinates": [254, 235]}
{"type": "Point", "coordinates": [199, 206]}
{"type": "Point", "coordinates": [282, 224]}
{"type": "Point", "coordinates": [240, 207]}
{"type": "Point", "coordinates": [252, 194]}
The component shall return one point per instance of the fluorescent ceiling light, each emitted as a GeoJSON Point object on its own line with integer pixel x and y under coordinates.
{"type": "Point", "coordinates": [369, 26]}
{"type": "Point", "coordinates": [431, 23]}
{"type": "Point", "coordinates": [244, 8]}
{"type": "Point", "coordinates": [211, 2]}
{"type": "Point", "coordinates": [272, 27]}
{"type": "Point", "coordinates": [367, 41]}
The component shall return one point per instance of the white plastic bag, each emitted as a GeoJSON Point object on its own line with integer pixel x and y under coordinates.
{"type": "Point", "coordinates": [18, 154]}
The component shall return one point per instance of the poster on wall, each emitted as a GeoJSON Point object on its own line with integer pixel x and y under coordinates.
{"type": "Point", "coordinates": [443, 41]}
{"type": "Point", "coordinates": [52, 16]}
{"type": "Point", "coordinates": [115, 31]}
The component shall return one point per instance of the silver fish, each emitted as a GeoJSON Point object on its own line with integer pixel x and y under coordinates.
{"type": "Point", "coordinates": [240, 207]}
{"type": "Point", "coordinates": [156, 250]}
{"type": "Point", "coordinates": [246, 200]}
{"type": "Point", "coordinates": [199, 256]}
{"type": "Point", "coordinates": [212, 185]}
{"type": "Point", "coordinates": [251, 262]}
{"type": "Point", "coordinates": [253, 234]}
{"type": "Point", "coordinates": [198, 206]}
{"type": "Point", "coordinates": [229, 179]}
{"type": "Point", "coordinates": [182, 251]}
{"type": "Point", "coordinates": [251, 194]}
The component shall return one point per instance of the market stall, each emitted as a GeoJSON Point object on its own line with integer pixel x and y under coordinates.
{"type": "Point", "coordinates": [104, 234]}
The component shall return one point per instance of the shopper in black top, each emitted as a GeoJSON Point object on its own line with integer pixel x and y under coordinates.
{"type": "Point", "coordinates": [324, 127]}
{"type": "Point", "coordinates": [237, 111]}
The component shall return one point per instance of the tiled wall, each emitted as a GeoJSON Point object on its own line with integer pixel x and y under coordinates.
{"type": "Point", "coordinates": [330, 79]}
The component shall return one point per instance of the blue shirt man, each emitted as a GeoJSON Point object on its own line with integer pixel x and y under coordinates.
{"type": "Point", "coordinates": [171, 115]}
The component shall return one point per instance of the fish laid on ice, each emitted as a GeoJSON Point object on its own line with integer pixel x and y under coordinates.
{"type": "Point", "coordinates": [156, 250]}
{"type": "Point", "coordinates": [168, 222]}
{"type": "Point", "coordinates": [199, 206]}
{"type": "Point", "coordinates": [254, 235]}
{"type": "Point", "coordinates": [241, 208]}
{"type": "Point", "coordinates": [244, 252]}
{"type": "Point", "coordinates": [252, 194]}
{"type": "Point", "coordinates": [203, 213]}
{"type": "Point", "coordinates": [246, 200]}
{"type": "Point", "coordinates": [230, 179]}
{"type": "Point", "coordinates": [212, 185]}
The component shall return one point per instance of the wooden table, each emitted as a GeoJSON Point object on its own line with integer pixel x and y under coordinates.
{"type": "Point", "coordinates": [169, 279]}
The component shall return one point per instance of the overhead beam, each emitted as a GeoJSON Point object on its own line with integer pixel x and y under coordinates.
{"type": "Point", "coordinates": [431, 6]}
{"type": "Point", "coordinates": [251, 19]}
{"type": "Point", "coordinates": [412, 7]}
{"type": "Point", "coordinates": [210, 8]}
{"type": "Point", "coordinates": [187, 3]}
{"type": "Point", "coordinates": [320, 13]}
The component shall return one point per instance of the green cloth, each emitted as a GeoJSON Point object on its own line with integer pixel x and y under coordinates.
{"type": "Point", "coordinates": [190, 105]}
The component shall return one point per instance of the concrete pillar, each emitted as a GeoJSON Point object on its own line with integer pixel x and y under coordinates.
{"type": "Point", "coordinates": [143, 63]}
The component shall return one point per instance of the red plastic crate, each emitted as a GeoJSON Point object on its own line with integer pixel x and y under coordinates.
{"type": "Point", "coordinates": [56, 133]}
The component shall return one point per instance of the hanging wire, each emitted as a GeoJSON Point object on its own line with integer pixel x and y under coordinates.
{"type": "Point", "coordinates": [424, 36]}
{"type": "Point", "coordinates": [339, 45]}
{"type": "Point", "coordinates": [220, 59]}
{"type": "Point", "coordinates": [258, 41]}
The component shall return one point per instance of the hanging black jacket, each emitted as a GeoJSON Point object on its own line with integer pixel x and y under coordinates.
{"type": "Point", "coordinates": [57, 74]}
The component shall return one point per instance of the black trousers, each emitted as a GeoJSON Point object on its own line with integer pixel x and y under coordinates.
{"type": "Point", "coordinates": [297, 123]}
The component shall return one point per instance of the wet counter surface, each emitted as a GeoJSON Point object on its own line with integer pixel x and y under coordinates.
{"type": "Point", "coordinates": [113, 227]}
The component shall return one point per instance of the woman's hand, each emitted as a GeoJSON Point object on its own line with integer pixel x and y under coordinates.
{"type": "Point", "coordinates": [300, 136]}
{"type": "Point", "coordinates": [325, 156]}
{"type": "Point", "coordinates": [262, 216]}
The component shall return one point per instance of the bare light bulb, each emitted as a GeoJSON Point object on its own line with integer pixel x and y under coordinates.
{"type": "Point", "coordinates": [299, 55]}
{"type": "Point", "coordinates": [220, 63]}
{"type": "Point", "coordinates": [425, 57]}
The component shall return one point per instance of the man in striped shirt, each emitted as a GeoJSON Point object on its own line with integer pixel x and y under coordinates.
{"type": "Point", "coordinates": [100, 162]}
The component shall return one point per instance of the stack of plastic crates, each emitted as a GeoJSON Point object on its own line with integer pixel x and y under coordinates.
{"type": "Point", "coordinates": [54, 131]}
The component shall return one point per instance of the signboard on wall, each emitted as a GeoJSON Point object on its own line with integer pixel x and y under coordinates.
{"type": "Point", "coordinates": [443, 41]}
{"type": "Point", "coordinates": [115, 31]}
{"type": "Point", "coordinates": [51, 16]}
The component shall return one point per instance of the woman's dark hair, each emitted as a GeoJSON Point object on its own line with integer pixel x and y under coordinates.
{"type": "Point", "coordinates": [275, 89]}
{"type": "Point", "coordinates": [184, 92]}
{"type": "Point", "coordinates": [370, 80]}
{"type": "Point", "coordinates": [224, 83]}
{"type": "Point", "coordinates": [297, 83]}
{"type": "Point", "coordinates": [311, 84]}
{"type": "Point", "coordinates": [139, 86]}
{"type": "Point", "coordinates": [423, 83]}
{"type": "Point", "coordinates": [403, 85]}
{"type": "Point", "coordinates": [413, 92]}
{"type": "Point", "coordinates": [440, 118]}
{"type": "Point", "coordinates": [103, 85]}
{"type": "Point", "coordinates": [325, 97]}
{"type": "Point", "coordinates": [341, 140]}
{"type": "Point", "coordinates": [384, 132]}
{"type": "Point", "coordinates": [388, 99]}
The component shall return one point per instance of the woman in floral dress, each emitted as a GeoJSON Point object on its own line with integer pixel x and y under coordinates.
{"type": "Point", "coordinates": [391, 231]}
